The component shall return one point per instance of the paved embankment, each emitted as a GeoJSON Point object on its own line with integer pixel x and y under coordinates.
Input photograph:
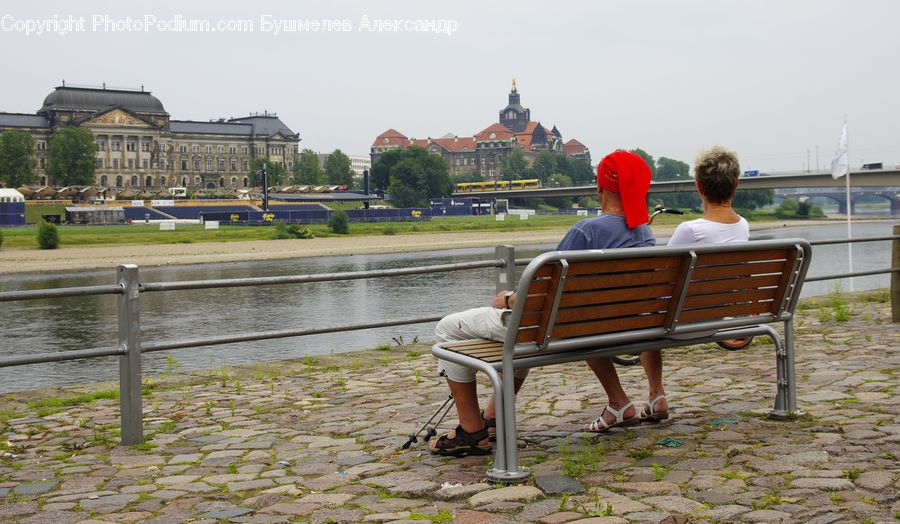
{"type": "Point", "coordinates": [319, 441]}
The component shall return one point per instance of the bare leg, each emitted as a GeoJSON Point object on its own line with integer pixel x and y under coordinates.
{"type": "Point", "coordinates": [605, 371]}
{"type": "Point", "coordinates": [490, 411]}
{"type": "Point", "coordinates": [653, 364]}
{"type": "Point", "coordinates": [465, 397]}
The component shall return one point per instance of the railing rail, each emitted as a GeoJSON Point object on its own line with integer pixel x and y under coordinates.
{"type": "Point", "coordinates": [128, 289]}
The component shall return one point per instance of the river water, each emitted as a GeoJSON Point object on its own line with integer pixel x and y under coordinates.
{"type": "Point", "coordinates": [41, 326]}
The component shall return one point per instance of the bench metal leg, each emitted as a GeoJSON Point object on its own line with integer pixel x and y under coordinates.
{"type": "Point", "coordinates": [792, 408]}
{"type": "Point", "coordinates": [786, 388]}
{"type": "Point", "coordinates": [506, 467]}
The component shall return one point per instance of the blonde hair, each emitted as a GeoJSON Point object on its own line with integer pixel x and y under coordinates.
{"type": "Point", "coordinates": [717, 170]}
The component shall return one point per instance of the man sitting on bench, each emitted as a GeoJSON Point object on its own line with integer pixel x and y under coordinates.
{"type": "Point", "coordinates": [623, 180]}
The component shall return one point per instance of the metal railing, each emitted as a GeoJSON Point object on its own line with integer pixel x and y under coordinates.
{"type": "Point", "coordinates": [128, 290]}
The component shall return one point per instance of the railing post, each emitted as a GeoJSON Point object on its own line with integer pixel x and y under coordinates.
{"type": "Point", "coordinates": [505, 276]}
{"type": "Point", "coordinates": [895, 277]}
{"type": "Point", "coordinates": [129, 312]}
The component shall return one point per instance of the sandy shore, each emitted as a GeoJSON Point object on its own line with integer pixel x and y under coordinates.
{"type": "Point", "coordinates": [94, 257]}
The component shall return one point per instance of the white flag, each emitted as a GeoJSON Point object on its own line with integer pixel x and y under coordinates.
{"type": "Point", "coordinates": [840, 166]}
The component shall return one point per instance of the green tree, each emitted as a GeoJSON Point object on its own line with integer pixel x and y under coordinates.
{"type": "Point", "coordinates": [307, 170]}
{"type": "Point", "coordinates": [16, 159]}
{"type": "Point", "coordinates": [753, 198]}
{"type": "Point", "coordinates": [339, 223]}
{"type": "Point", "coordinates": [380, 174]}
{"type": "Point", "coordinates": [47, 236]}
{"type": "Point", "coordinates": [514, 166]}
{"type": "Point", "coordinates": [544, 166]}
{"type": "Point", "coordinates": [337, 169]}
{"type": "Point", "coordinates": [581, 173]}
{"type": "Point", "coordinates": [72, 158]}
{"type": "Point", "coordinates": [414, 176]}
{"type": "Point", "coordinates": [559, 180]}
{"type": "Point", "coordinates": [669, 169]}
{"type": "Point", "coordinates": [274, 171]}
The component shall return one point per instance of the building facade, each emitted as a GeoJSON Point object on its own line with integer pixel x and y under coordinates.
{"type": "Point", "coordinates": [140, 147]}
{"type": "Point", "coordinates": [481, 155]}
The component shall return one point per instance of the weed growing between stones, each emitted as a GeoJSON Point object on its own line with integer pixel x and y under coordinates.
{"type": "Point", "coordinates": [639, 453]}
{"type": "Point", "coordinates": [660, 472]}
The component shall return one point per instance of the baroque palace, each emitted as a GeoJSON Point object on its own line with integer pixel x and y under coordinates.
{"type": "Point", "coordinates": [140, 148]}
{"type": "Point", "coordinates": [483, 152]}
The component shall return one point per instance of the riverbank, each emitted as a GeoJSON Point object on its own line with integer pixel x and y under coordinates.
{"type": "Point", "coordinates": [76, 258]}
{"type": "Point", "coordinates": [319, 440]}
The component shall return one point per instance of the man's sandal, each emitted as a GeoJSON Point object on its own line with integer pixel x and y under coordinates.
{"type": "Point", "coordinates": [464, 443]}
{"type": "Point", "coordinates": [649, 413]}
{"type": "Point", "coordinates": [490, 424]}
{"type": "Point", "coordinates": [601, 426]}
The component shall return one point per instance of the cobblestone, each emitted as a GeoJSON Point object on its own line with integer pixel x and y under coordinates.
{"type": "Point", "coordinates": [303, 445]}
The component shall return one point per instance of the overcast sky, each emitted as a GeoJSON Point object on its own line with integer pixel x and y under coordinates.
{"type": "Point", "coordinates": [771, 79]}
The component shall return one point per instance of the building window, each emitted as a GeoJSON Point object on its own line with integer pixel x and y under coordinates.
{"type": "Point", "coordinates": [221, 182]}
{"type": "Point", "coordinates": [115, 163]}
{"type": "Point", "coordinates": [290, 165]}
{"type": "Point", "coordinates": [234, 182]}
{"type": "Point", "coordinates": [244, 150]}
{"type": "Point", "coordinates": [184, 165]}
{"type": "Point", "coordinates": [457, 161]}
{"type": "Point", "coordinates": [183, 149]}
{"type": "Point", "coordinates": [99, 163]}
{"type": "Point", "coordinates": [131, 146]}
{"type": "Point", "coordinates": [118, 181]}
{"type": "Point", "coordinates": [41, 145]}
{"type": "Point", "coordinates": [233, 164]}
{"type": "Point", "coordinates": [195, 149]}
{"type": "Point", "coordinates": [162, 181]}
{"type": "Point", "coordinates": [209, 165]}
{"type": "Point", "coordinates": [245, 165]}
{"type": "Point", "coordinates": [197, 181]}
{"type": "Point", "coordinates": [220, 149]}
{"type": "Point", "coordinates": [101, 145]}
{"type": "Point", "coordinates": [208, 149]}
{"type": "Point", "coordinates": [246, 182]}
{"type": "Point", "coordinates": [145, 164]}
{"type": "Point", "coordinates": [130, 163]}
{"type": "Point", "coordinates": [221, 165]}
{"type": "Point", "coordinates": [104, 180]}
{"type": "Point", "coordinates": [232, 150]}
{"type": "Point", "coordinates": [196, 164]}
{"type": "Point", "coordinates": [116, 145]}
{"type": "Point", "coordinates": [134, 181]}
{"type": "Point", "coordinates": [145, 147]}
{"type": "Point", "coordinates": [148, 182]}
{"type": "Point", "coordinates": [184, 181]}
{"type": "Point", "coordinates": [42, 162]}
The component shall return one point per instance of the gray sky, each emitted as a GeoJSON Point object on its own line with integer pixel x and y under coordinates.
{"type": "Point", "coordinates": [771, 79]}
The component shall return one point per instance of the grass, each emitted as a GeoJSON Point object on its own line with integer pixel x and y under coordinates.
{"type": "Point", "coordinates": [74, 400]}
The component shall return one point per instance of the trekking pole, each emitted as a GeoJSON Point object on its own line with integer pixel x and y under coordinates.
{"type": "Point", "coordinates": [432, 431]}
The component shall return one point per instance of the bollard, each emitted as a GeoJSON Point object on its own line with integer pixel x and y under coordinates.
{"type": "Point", "coordinates": [895, 277]}
{"type": "Point", "coordinates": [505, 277]}
{"type": "Point", "coordinates": [129, 313]}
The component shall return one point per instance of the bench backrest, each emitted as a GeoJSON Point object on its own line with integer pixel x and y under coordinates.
{"type": "Point", "coordinates": [658, 291]}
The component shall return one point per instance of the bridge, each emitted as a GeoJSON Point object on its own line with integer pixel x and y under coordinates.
{"type": "Point", "coordinates": [839, 195]}
{"type": "Point", "coordinates": [881, 178]}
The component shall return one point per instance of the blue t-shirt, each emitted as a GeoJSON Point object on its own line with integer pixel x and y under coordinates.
{"type": "Point", "coordinates": [606, 232]}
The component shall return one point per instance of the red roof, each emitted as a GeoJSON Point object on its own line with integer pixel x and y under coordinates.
{"type": "Point", "coordinates": [574, 147]}
{"type": "Point", "coordinates": [452, 144]}
{"type": "Point", "coordinates": [500, 132]}
{"type": "Point", "coordinates": [391, 137]}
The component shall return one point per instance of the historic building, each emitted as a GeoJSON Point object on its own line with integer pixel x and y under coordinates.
{"type": "Point", "coordinates": [141, 148]}
{"type": "Point", "coordinates": [483, 152]}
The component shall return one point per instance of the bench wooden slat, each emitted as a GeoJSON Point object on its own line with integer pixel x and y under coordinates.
{"type": "Point", "coordinates": [696, 315]}
{"type": "Point", "coordinates": [583, 329]}
{"type": "Point", "coordinates": [733, 284]}
{"type": "Point", "coordinates": [709, 259]}
{"type": "Point", "coordinates": [526, 334]}
{"type": "Point", "coordinates": [785, 281]}
{"type": "Point", "coordinates": [471, 344]}
{"type": "Point", "coordinates": [622, 280]}
{"type": "Point", "coordinates": [548, 302]}
{"type": "Point", "coordinates": [609, 296]}
{"type": "Point", "coordinates": [620, 266]}
{"type": "Point", "coordinates": [581, 314]}
{"type": "Point", "coordinates": [755, 295]}
{"type": "Point", "coordinates": [732, 271]}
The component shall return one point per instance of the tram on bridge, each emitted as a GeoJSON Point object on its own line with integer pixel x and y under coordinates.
{"type": "Point", "coordinates": [498, 185]}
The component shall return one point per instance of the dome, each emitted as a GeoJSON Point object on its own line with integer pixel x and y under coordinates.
{"type": "Point", "coordinates": [93, 99]}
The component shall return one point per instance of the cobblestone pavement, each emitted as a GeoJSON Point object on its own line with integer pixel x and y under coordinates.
{"type": "Point", "coordinates": [319, 441]}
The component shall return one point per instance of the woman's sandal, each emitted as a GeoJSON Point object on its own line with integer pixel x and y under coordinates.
{"type": "Point", "coordinates": [490, 424]}
{"type": "Point", "coordinates": [649, 413]}
{"type": "Point", "coordinates": [601, 426]}
{"type": "Point", "coordinates": [464, 443]}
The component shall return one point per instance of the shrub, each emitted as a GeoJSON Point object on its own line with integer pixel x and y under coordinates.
{"type": "Point", "coordinates": [389, 230]}
{"type": "Point", "coordinates": [47, 236]}
{"type": "Point", "coordinates": [339, 223]}
{"type": "Point", "coordinates": [283, 231]}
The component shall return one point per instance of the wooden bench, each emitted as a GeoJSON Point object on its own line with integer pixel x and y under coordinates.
{"type": "Point", "coordinates": [576, 305]}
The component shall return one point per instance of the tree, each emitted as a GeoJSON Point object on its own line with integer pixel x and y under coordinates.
{"type": "Point", "coordinates": [413, 176]}
{"type": "Point", "coordinates": [47, 236]}
{"type": "Point", "coordinates": [339, 223]}
{"type": "Point", "coordinates": [16, 159]}
{"type": "Point", "coordinates": [544, 165]}
{"type": "Point", "coordinates": [581, 173]}
{"type": "Point", "coordinates": [669, 169]}
{"type": "Point", "coordinates": [274, 171]}
{"type": "Point", "coordinates": [514, 166]}
{"type": "Point", "coordinates": [72, 158]}
{"type": "Point", "coordinates": [307, 170]}
{"type": "Point", "coordinates": [337, 169]}
{"type": "Point", "coordinates": [753, 198]}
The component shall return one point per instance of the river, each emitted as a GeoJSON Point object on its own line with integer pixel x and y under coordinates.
{"type": "Point", "coordinates": [41, 326]}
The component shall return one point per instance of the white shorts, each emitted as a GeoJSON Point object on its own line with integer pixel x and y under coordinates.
{"type": "Point", "coordinates": [481, 322]}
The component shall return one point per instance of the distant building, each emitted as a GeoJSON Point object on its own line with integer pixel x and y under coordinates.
{"type": "Point", "coordinates": [483, 152]}
{"type": "Point", "coordinates": [358, 163]}
{"type": "Point", "coordinates": [141, 148]}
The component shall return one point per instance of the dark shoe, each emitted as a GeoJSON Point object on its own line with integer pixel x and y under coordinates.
{"type": "Point", "coordinates": [464, 443]}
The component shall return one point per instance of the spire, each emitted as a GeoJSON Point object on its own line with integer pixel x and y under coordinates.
{"type": "Point", "coordinates": [514, 85]}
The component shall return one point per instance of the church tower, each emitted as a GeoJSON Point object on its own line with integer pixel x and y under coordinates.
{"type": "Point", "coordinates": [515, 117]}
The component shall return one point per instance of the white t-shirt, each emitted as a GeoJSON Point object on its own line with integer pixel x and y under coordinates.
{"type": "Point", "coordinates": [702, 231]}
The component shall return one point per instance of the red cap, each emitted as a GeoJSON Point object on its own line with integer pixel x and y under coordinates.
{"type": "Point", "coordinates": [627, 174]}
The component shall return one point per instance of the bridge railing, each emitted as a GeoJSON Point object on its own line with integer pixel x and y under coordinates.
{"type": "Point", "coordinates": [128, 290]}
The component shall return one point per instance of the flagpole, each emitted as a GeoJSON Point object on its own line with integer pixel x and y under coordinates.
{"type": "Point", "coordinates": [849, 209]}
